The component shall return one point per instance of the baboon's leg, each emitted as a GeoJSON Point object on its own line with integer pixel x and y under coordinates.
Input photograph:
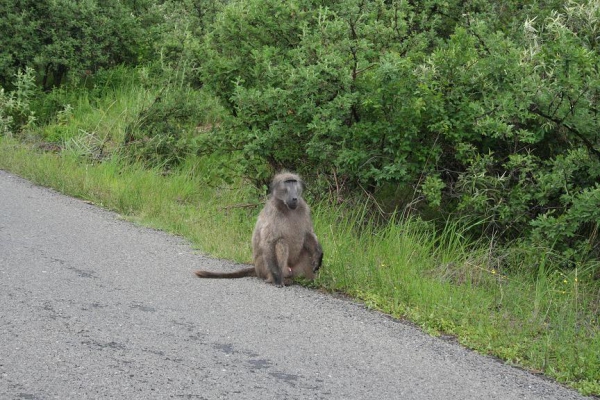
{"type": "Point", "coordinates": [260, 267]}
{"type": "Point", "coordinates": [272, 262]}
{"type": "Point", "coordinates": [259, 250]}
{"type": "Point", "coordinates": [304, 265]}
{"type": "Point", "coordinates": [309, 260]}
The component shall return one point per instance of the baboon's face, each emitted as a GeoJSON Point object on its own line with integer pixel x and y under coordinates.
{"type": "Point", "coordinates": [289, 191]}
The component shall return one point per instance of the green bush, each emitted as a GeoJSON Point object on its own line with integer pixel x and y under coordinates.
{"type": "Point", "coordinates": [15, 106]}
{"type": "Point", "coordinates": [476, 121]}
{"type": "Point", "coordinates": [163, 134]}
{"type": "Point", "coordinates": [174, 31]}
{"type": "Point", "coordinates": [63, 37]}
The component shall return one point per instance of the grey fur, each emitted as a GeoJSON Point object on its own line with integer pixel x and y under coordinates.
{"type": "Point", "coordinates": [284, 244]}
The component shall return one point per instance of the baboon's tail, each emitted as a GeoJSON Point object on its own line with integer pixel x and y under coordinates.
{"type": "Point", "coordinates": [227, 275]}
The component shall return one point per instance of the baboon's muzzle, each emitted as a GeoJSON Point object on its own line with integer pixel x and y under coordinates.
{"type": "Point", "coordinates": [292, 204]}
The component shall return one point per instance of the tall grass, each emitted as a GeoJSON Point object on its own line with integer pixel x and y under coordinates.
{"type": "Point", "coordinates": [447, 284]}
{"type": "Point", "coordinates": [78, 117]}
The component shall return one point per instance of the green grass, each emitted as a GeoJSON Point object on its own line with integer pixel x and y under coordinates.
{"type": "Point", "coordinates": [79, 118]}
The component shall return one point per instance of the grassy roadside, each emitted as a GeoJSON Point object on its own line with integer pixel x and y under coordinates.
{"type": "Point", "coordinates": [546, 322]}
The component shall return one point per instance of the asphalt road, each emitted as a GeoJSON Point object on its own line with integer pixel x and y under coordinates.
{"type": "Point", "coordinates": [92, 306]}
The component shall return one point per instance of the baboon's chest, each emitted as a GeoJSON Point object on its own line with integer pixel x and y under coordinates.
{"type": "Point", "coordinates": [293, 231]}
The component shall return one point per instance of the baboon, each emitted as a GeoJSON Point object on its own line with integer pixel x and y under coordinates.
{"type": "Point", "coordinates": [284, 244]}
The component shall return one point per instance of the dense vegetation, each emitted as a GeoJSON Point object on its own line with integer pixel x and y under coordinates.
{"type": "Point", "coordinates": [478, 116]}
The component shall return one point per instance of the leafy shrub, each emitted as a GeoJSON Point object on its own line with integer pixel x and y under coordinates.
{"type": "Point", "coordinates": [163, 133]}
{"type": "Point", "coordinates": [61, 37]}
{"type": "Point", "coordinates": [174, 31]}
{"type": "Point", "coordinates": [294, 76]}
{"type": "Point", "coordinates": [15, 106]}
{"type": "Point", "coordinates": [429, 96]}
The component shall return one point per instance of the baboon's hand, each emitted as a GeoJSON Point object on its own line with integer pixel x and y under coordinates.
{"type": "Point", "coordinates": [317, 263]}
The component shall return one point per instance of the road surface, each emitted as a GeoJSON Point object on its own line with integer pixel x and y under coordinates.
{"type": "Point", "coordinates": [94, 307]}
